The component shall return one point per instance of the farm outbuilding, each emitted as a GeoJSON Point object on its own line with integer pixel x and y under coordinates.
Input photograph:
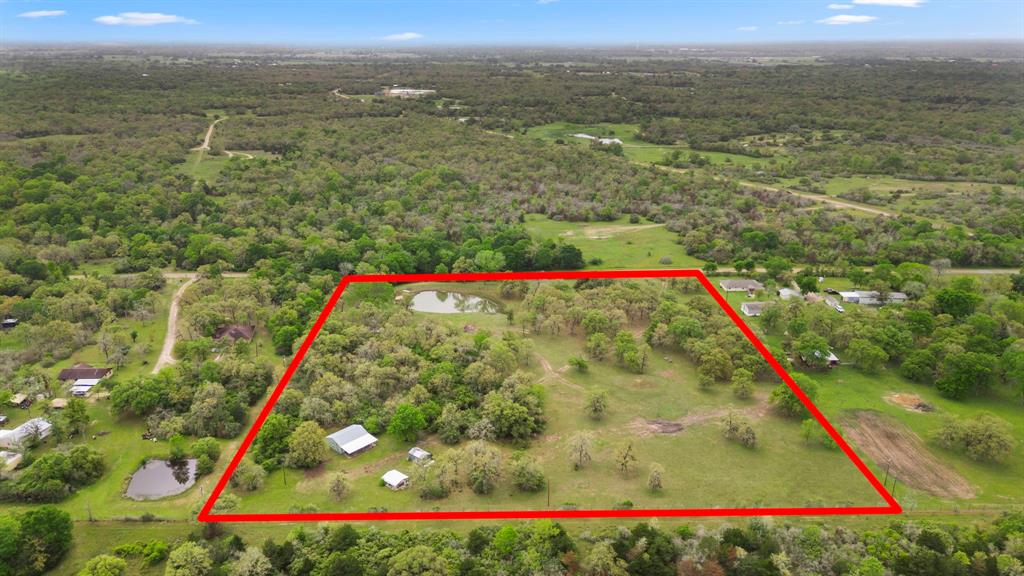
{"type": "Point", "coordinates": [34, 429]}
{"type": "Point", "coordinates": [419, 455]}
{"type": "Point", "coordinates": [8, 323]}
{"type": "Point", "coordinates": [20, 401]}
{"type": "Point", "coordinates": [395, 480]}
{"type": "Point", "coordinates": [351, 440]}
{"type": "Point", "coordinates": [752, 308]}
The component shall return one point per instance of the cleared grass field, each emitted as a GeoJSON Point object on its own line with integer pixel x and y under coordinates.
{"type": "Point", "coordinates": [633, 148]}
{"type": "Point", "coordinates": [618, 244]}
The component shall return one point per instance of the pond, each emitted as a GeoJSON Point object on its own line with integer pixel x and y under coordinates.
{"type": "Point", "coordinates": [439, 302]}
{"type": "Point", "coordinates": [160, 478]}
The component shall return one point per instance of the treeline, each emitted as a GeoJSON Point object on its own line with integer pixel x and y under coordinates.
{"type": "Point", "coordinates": [197, 398]}
{"type": "Point", "coordinates": [755, 548]}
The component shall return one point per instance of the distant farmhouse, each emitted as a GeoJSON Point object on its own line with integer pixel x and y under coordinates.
{"type": "Point", "coordinates": [34, 429]}
{"type": "Point", "coordinates": [741, 285]}
{"type": "Point", "coordinates": [752, 308]}
{"type": "Point", "coordinates": [406, 93]}
{"type": "Point", "coordinates": [872, 298]}
{"type": "Point", "coordinates": [351, 440]}
{"type": "Point", "coordinates": [601, 141]}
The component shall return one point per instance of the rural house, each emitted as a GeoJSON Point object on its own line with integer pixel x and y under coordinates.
{"type": "Point", "coordinates": [395, 480]}
{"type": "Point", "coordinates": [7, 323]}
{"type": "Point", "coordinates": [83, 371]}
{"type": "Point", "coordinates": [741, 285]}
{"type": "Point", "coordinates": [235, 332]}
{"type": "Point", "coordinates": [872, 297]}
{"type": "Point", "coordinates": [351, 440]}
{"type": "Point", "coordinates": [419, 455]}
{"type": "Point", "coordinates": [34, 429]}
{"type": "Point", "coordinates": [405, 93]}
{"type": "Point", "coordinates": [752, 308]}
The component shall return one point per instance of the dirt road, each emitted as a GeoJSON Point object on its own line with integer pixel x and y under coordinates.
{"type": "Point", "coordinates": [167, 352]}
{"type": "Point", "coordinates": [209, 134]}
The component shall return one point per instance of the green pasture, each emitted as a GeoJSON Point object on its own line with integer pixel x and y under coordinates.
{"type": "Point", "coordinates": [618, 244]}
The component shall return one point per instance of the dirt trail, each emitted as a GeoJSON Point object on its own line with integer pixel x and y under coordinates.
{"type": "Point", "coordinates": [167, 352]}
{"type": "Point", "coordinates": [890, 443]}
{"type": "Point", "coordinates": [645, 427]}
{"type": "Point", "coordinates": [209, 134]}
{"type": "Point", "coordinates": [243, 155]}
{"type": "Point", "coordinates": [606, 232]}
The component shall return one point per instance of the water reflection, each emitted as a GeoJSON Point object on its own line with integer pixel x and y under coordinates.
{"type": "Point", "coordinates": [160, 478]}
{"type": "Point", "coordinates": [439, 302]}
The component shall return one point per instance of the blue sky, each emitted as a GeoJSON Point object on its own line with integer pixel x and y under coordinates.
{"type": "Point", "coordinates": [428, 22]}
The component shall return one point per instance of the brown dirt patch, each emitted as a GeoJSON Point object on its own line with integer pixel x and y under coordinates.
{"type": "Point", "coordinates": [890, 443]}
{"type": "Point", "coordinates": [909, 402]}
{"type": "Point", "coordinates": [645, 427]}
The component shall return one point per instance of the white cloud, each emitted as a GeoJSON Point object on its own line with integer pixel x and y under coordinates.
{"type": "Point", "coordinates": [844, 19]}
{"type": "Point", "coordinates": [790, 22]}
{"type": "Point", "coordinates": [142, 19]}
{"type": "Point", "coordinates": [403, 37]}
{"type": "Point", "coordinates": [747, 28]}
{"type": "Point", "coordinates": [546, 1]}
{"type": "Point", "coordinates": [42, 13]}
{"type": "Point", "coordinates": [839, 6]}
{"type": "Point", "coordinates": [900, 3]}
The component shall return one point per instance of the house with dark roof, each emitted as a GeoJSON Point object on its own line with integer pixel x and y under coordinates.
{"type": "Point", "coordinates": [235, 332]}
{"type": "Point", "coordinates": [82, 371]}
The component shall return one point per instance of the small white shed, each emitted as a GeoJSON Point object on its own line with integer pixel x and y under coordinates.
{"type": "Point", "coordinates": [395, 480]}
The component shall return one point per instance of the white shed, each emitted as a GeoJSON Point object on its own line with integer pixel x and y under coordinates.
{"type": "Point", "coordinates": [351, 440]}
{"type": "Point", "coordinates": [395, 480]}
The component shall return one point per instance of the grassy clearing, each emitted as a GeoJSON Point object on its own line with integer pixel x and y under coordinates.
{"type": "Point", "coordinates": [845, 390]}
{"type": "Point", "coordinates": [633, 148]}
{"type": "Point", "coordinates": [617, 244]}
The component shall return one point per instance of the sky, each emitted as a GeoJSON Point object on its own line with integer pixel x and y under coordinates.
{"type": "Point", "coordinates": [406, 23]}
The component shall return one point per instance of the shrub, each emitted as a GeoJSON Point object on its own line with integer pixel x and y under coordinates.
{"type": "Point", "coordinates": [527, 475]}
{"type": "Point", "coordinates": [985, 438]}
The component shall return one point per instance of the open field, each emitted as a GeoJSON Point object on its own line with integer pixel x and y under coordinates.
{"type": "Point", "coordinates": [617, 244]}
{"type": "Point", "coordinates": [634, 149]}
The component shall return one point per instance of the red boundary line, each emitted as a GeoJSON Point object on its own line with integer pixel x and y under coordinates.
{"type": "Point", "coordinates": [206, 515]}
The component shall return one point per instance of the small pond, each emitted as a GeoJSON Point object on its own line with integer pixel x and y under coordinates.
{"type": "Point", "coordinates": [452, 303]}
{"type": "Point", "coordinates": [160, 478]}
